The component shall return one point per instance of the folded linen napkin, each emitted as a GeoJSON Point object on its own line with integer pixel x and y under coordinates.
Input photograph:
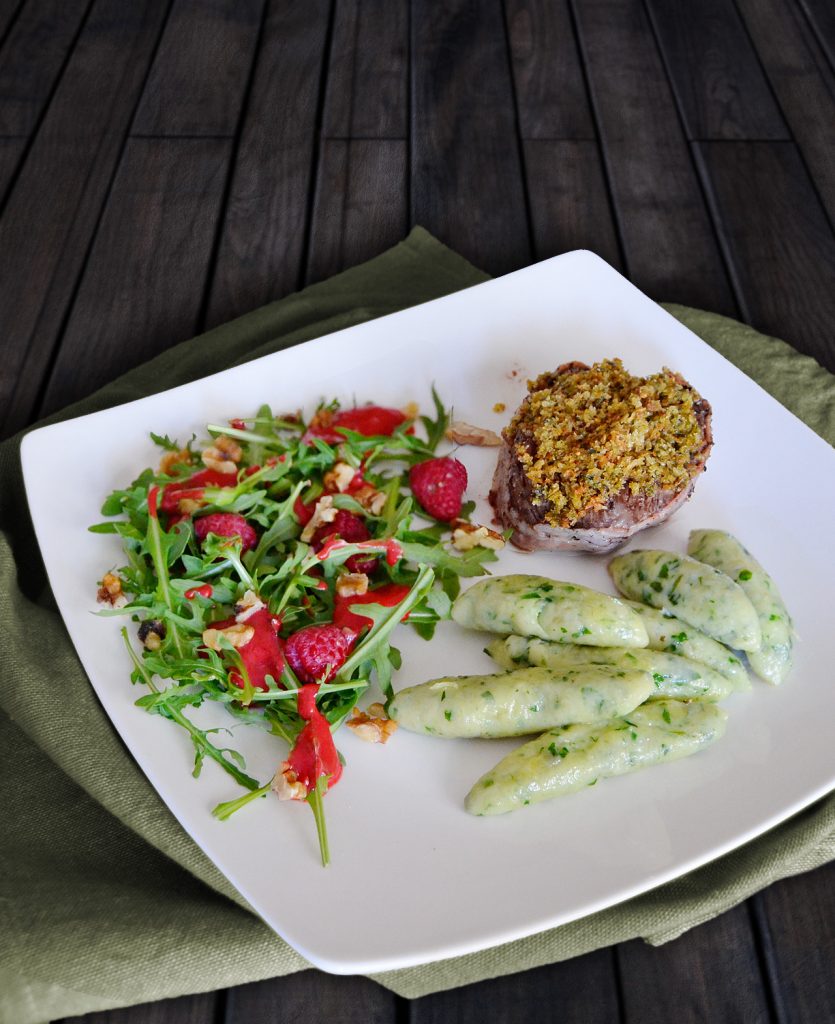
{"type": "Point", "coordinates": [106, 901]}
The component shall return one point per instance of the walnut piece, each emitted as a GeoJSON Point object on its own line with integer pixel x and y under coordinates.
{"type": "Point", "coordinates": [238, 635]}
{"type": "Point", "coordinates": [339, 477]}
{"type": "Point", "coordinates": [110, 592]}
{"type": "Point", "coordinates": [324, 512]}
{"type": "Point", "coordinates": [223, 456]}
{"type": "Point", "coordinates": [466, 536]}
{"type": "Point", "coordinates": [151, 634]}
{"type": "Point", "coordinates": [466, 433]}
{"type": "Point", "coordinates": [248, 605]}
{"type": "Point", "coordinates": [372, 729]}
{"type": "Point", "coordinates": [352, 584]}
{"type": "Point", "coordinates": [370, 498]}
{"type": "Point", "coordinates": [172, 459]}
{"type": "Point", "coordinates": [287, 785]}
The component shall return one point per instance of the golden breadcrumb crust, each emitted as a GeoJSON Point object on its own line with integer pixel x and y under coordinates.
{"type": "Point", "coordinates": [584, 435]}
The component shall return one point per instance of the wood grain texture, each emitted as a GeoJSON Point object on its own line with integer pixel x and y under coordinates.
{"type": "Point", "coordinates": [361, 207]}
{"type": "Point", "coordinates": [821, 15]}
{"type": "Point", "coordinates": [798, 915]}
{"type": "Point", "coordinates": [803, 83]}
{"type": "Point", "coordinates": [583, 989]}
{"type": "Point", "coordinates": [144, 281]}
{"type": "Point", "coordinates": [721, 89]}
{"type": "Point", "coordinates": [199, 1009]}
{"type": "Point", "coordinates": [9, 10]}
{"type": "Point", "coordinates": [33, 57]}
{"type": "Point", "coordinates": [198, 78]}
{"type": "Point", "coordinates": [466, 173]}
{"type": "Point", "coordinates": [547, 72]}
{"type": "Point", "coordinates": [262, 246]}
{"type": "Point", "coordinates": [11, 151]}
{"type": "Point", "coordinates": [45, 231]}
{"type": "Point", "coordinates": [368, 77]}
{"type": "Point", "coordinates": [711, 973]}
{"type": "Point", "coordinates": [311, 996]}
{"type": "Point", "coordinates": [570, 206]}
{"type": "Point", "coordinates": [782, 260]}
{"type": "Point", "coordinates": [669, 245]}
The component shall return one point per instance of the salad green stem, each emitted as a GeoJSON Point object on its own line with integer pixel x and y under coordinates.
{"type": "Point", "coordinates": [314, 798]}
{"type": "Point", "coordinates": [228, 808]}
{"type": "Point", "coordinates": [202, 745]}
{"type": "Point", "coordinates": [158, 557]}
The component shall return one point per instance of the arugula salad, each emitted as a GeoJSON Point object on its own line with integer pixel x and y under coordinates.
{"type": "Point", "coordinates": [267, 568]}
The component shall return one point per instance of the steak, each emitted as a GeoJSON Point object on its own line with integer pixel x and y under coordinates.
{"type": "Point", "coordinates": [520, 508]}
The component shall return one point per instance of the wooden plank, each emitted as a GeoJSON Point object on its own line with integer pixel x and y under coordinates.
{"type": "Point", "coordinates": [311, 996]}
{"type": "Point", "coordinates": [11, 151]}
{"type": "Point", "coordinates": [261, 254]}
{"type": "Point", "coordinates": [547, 72]}
{"type": "Point", "coordinates": [821, 15]}
{"type": "Point", "coordinates": [9, 10]}
{"type": "Point", "coordinates": [720, 86]}
{"type": "Point", "coordinates": [368, 77]}
{"type": "Point", "coordinates": [199, 76]}
{"type": "Point", "coordinates": [143, 285]}
{"type": "Point", "coordinates": [570, 206]}
{"type": "Point", "coordinates": [466, 174]}
{"type": "Point", "coordinates": [781, 261]}
{"type": "Point", "coordinates": [710, 973]}
{"type": "Point", "coordinates": [198, 1009]}
{"type": "Point", "coordinates": [32, 59]}
{"type": "Point", "coordinates": [583, 989]}
{"type": "Point", "coordinates": [46, 231]}
{"type": "Point", "coordinates": [803, 84]}
{"type": "Point", "coordinates": [669, 246]}
{"type": "Point", "coordinates": [361, 203]}
{"type": "Point", "coordinates": [798, 917]}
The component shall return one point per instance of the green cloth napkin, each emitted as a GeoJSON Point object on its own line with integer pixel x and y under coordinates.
{"type": "Point", "coordinates": [106, 901]}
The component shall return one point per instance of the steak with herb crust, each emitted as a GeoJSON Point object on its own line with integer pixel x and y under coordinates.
{"type": "Point", "coordinates": [594, 455]}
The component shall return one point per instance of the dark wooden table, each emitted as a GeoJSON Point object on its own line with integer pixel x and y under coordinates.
{"type": "Point", "coordinates": [165, 166]}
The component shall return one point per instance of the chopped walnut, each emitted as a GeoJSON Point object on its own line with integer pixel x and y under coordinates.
{"type": "Point", "coordinates": [411, 410]}
{"type": "Point", "coordinates": [466, 536]}
{"type": "Point", "coordinates": [287, 785]}
{"type": "Point", "coordinates": [229, 447]}
{"type": "Point", "coordinates": [324, 512]}
{"type": "Point", "coordinates": [465, 433]}
{"type": "Point", "coordinates": [223, 456]}
{"type": "Point", "coordinates": [172, 459]}
{"type": "Point", "coordinates": [370, 498]}
{"type": "Point", "coordinates": [339, 477]}
{"type": "Point", "coordinates": [151, 634]}
{"type": "Point", "coordinates": [188, 506]}
{"type": "Point", "coordinates": [376, 729]}
{"type": "Point", "coordinates": [248, 605]}
{"type": "Point", "coordinates": [352, 584]}
{"type": "Point", "coordinates": [238, 635]}
{"type": "Point", "coordinates": [321, 420]}
{"type": "Point", "coordinates": [110, 592]}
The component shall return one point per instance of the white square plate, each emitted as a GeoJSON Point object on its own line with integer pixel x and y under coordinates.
{"type": "Point", "coordinates": [414, 878]}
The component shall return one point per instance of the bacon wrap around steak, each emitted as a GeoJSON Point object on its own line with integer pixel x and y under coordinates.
{"type": "Point", "coordinates": [600, 531]}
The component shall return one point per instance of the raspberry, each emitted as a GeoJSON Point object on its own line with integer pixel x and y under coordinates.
{"type": "Point", "coordinates": [315, 650]}
{"type": "Point", "coordinates": [439, 485]}
{"type": "Point", "coordinates": [352, 529]}
{"type": "Point", "coordinates": [226, 524]}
